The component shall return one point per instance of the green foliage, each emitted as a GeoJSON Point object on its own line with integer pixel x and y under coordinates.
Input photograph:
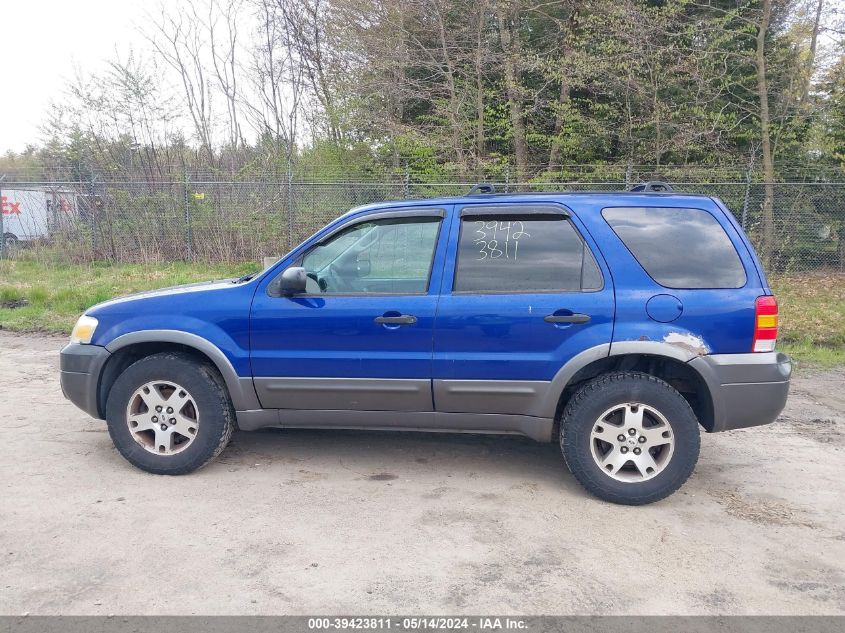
{"type": "Point", "coordinates": [832, 131]}
{"type": "Point", "coordinates": [39, 296]}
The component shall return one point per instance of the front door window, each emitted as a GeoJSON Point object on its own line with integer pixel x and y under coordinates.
{"type": "Point", "coordinates": [391, 256]}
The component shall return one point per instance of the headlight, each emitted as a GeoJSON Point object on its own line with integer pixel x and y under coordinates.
{"type": "Point", "coordinates": [83, 331]}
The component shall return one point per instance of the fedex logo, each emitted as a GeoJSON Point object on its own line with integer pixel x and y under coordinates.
{"type": "Point", "coordinates": [9, 208]}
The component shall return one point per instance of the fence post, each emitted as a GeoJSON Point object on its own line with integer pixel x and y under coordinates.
{"type": "Point", "coordinates": [189, 241]}
{"type": "Point", "coordinates": [290, 201]}
{"type": "Point", "coordinates": [747, 199]}
{"type": "Point", "coordinates": [2, 233]}
{"type": "Point", "coordinates": [92, 213]}
{"type": "Point", "coordinates": [507, 176]}
{"type": "Point", "coordinates": [406, 189]}
{"type": "Point", "coordinates": [629, 171]}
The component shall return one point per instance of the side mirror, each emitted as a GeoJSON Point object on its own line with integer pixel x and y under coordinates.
{"type": "Point", "coordinates": [292, 281]}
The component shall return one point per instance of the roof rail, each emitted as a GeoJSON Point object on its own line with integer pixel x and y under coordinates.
{"type": "Point", "coordinates": [652, 186]}
{"type": "Point", "coordinates": [482, 187]}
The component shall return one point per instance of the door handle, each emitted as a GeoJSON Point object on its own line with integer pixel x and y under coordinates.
{"type": "Point", "coordinates": [403, 319]}
{"type": "Point", "coordinates": [567, 318]}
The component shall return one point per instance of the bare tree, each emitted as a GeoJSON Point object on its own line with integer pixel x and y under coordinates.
{"type": "Point", "coordinates": [277, 80]}
{"type": "Point", "coordinates": [305, 34]}
{"type": "Point", "coordinates": [765, 133]}
{"type": "Point", "coordinates": [455, 97]}
{"type": "Point", "coordinates": [567, 34]}
{"type": "Point", "coordinates": [811, 56]}
{"type": "Point", "coordinates": [507, 15]}
{"type": "Point", "coordinates": [177, 36]}
{"type": "Point", "coordinates": [223, 51]}
{"type": "Point", "coordinates": [480, 57]}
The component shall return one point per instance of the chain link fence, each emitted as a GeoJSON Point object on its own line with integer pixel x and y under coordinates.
{"type": "Point", "coordinates": [210, 219]}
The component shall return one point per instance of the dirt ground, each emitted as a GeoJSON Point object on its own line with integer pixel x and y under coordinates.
{"type": "Point", "coordinates": [314, 522]}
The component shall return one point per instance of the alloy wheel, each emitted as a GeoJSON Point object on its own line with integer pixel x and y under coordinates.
{"type": "Point", "coordinates": [162, 417]}
{"type": "Point", "coordinates": [632, 442]}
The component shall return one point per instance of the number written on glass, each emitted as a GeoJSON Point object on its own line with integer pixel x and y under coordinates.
{"type": "Point", "coordinates": [496, 239]}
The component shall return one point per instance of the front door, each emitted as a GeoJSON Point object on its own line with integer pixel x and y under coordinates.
{"type": "Point", "coordinates": [522, 294]}
{"type": "Point", "coordinates": [360, 338]}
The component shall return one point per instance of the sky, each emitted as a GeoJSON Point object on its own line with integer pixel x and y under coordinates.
{"type": "Point", "coordinates": [44, 42]}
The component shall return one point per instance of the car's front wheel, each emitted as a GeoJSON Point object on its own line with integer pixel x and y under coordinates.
{"type": "Point", "coordinates": [169, 414]}
{"type": "Point", "coordinates": [629, 437]}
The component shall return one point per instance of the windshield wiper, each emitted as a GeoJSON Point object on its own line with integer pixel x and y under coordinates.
{"type": "Point", "coordinates": [244, 278]}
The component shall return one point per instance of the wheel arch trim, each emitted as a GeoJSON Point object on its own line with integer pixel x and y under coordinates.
{"type": "Point", "coordinates": [241, 390]}
{"type": "Point", "coordinates": [625, 348]}
{"type": "Point", "coordinates": [561, 379]}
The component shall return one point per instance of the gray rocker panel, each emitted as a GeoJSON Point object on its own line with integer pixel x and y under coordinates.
{"type": "Point", "coordinates": [520, 397]}
{"type": "Point", "coordinates": [357, 394]}
{"type": "Point", "coordinates": [539, 429]}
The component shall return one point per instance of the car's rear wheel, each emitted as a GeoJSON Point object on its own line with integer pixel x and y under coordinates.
{"type": "Point", "coordinates": [169, 414]}
{"type": "Point", "coordinates": [629, 438]}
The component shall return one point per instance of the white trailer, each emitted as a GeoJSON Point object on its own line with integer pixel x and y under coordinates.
{"type": "Point", "coordinates": [32, 214]}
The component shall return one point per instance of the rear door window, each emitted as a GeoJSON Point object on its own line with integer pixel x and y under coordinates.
{"type": "Point", "coordinates": [678, 248]}
{"type": "Point", "coordinates": [515, 252]}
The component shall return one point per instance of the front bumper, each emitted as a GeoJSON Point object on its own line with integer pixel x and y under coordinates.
{"type": "Point", "coordinates": [746, 389]}
{"type": "Point", "coordinates": [81, 367]}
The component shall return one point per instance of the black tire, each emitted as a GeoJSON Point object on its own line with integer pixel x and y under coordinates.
{"type": "Point", "coordinates": [214, 408]}
{"type": "Point", "coordinates": [590, 401]}
{"type": "Point", "coordinates": [10, 240]}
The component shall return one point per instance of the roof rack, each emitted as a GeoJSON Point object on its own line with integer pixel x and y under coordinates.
{"type": "Point", "coordinates": [652, 186]}
{"type": "Point", "coordinates": [482, 187]}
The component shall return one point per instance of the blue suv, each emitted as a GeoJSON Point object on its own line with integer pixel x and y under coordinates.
{"type": "Point", "coordinates": [616, 323]}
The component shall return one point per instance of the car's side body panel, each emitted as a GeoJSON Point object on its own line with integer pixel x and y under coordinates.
{"type": "Point", "coordinates": [217, 312]}
{"type": "Point", "coordinates": [711, 320]}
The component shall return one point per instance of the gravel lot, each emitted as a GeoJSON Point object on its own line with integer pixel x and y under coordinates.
{"type": "Point", "coordinates": [307, 522]}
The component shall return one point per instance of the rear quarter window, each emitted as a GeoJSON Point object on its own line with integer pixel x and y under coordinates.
{"type": "Point", "coordinates": [678, 248]}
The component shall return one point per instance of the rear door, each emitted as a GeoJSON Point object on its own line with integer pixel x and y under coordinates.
{"type": "Point", "coordinates": [523, 292]}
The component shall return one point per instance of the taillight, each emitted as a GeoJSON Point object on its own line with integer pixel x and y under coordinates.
{"type": "Point", "coordinates": [765, 324]}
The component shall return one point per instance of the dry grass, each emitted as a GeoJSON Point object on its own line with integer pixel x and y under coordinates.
{"type": "Point", "coordinates": [812, 316]}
